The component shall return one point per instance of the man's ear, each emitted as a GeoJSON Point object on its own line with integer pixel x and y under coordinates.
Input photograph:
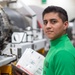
{"type": "Point", "coordinates": [66, 25]}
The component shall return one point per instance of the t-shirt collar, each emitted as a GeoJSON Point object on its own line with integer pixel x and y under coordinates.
{"type": "Point", "coordinates": [56, 41]}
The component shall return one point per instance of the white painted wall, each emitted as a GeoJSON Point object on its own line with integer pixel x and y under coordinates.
{"type": "Point", "coordinates": [69, 5]}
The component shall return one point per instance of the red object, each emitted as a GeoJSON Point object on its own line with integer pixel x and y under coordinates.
{"type": "Point", "coordinates": [40, 26]}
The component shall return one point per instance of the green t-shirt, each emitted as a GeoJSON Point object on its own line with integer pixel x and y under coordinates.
{"type": "Point", "coordinates": [60, 59]}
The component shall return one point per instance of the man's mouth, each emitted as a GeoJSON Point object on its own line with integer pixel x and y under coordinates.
{"type": "Point", "coordinates": [49, 31]}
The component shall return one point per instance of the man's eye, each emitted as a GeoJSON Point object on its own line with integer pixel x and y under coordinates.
{"type": "Point", "coordinates": [54, 21]}
{"type": "Point", "coordinates": [45, 22]}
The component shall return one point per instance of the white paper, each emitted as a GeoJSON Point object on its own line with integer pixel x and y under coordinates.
{"type": "Point", "coordinates": [31, 62]}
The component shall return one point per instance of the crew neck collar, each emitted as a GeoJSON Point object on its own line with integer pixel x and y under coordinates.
{"type": "Point", "coordinates": [56, 41]}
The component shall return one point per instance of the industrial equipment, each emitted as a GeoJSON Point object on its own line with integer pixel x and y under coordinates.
{"type": "Point", "coordinates": [19, 30]}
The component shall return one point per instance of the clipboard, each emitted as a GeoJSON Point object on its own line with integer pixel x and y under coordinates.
{"type": "Point", "coordinates": [30, 63]}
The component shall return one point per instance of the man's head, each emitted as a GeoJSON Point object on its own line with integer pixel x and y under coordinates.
{"type": "Point", "coordinates": [55, 21]}
{"type": "Point", "coordinates": [61, 12]}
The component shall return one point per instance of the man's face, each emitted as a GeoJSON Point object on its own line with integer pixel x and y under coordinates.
{"type": "Point", "coordinates": [53, 26]}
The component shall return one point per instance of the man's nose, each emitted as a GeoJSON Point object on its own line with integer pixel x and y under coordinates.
{"type": "Point", "coordinates": [48, 25]}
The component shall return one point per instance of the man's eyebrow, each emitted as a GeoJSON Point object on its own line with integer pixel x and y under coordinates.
{"type": "Point", "coordinates": [44, 20]}
{"type": "Point", "coordinates": [49, 19]}
{"type": "Point", "coordinates": [52, 19]}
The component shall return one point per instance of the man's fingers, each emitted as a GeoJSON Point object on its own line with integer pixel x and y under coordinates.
{"type": "Point", "coordinates": [17, 73]}
{"type": "Point", "coordinates": [23, 74]}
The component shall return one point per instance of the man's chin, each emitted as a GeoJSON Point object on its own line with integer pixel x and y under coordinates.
{"type": "Point", "coordinates": [50, 37]}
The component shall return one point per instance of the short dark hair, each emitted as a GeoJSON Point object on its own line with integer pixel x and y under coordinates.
{"type": "Point", "coordinates": [61, 12]}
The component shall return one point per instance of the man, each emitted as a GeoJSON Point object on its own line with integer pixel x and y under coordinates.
{"type": "Point", "coordinates": [60, 59]}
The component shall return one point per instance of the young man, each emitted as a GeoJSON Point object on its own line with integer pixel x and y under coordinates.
{"type": "Point", "coordinates": [60, 59]}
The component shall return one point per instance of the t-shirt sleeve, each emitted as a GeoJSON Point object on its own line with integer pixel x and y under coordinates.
{"type": "Point", "coordinates": [64, 63]}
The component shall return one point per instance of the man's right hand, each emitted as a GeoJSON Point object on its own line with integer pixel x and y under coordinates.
{"type": "Point", "coordinates": [17, 73]}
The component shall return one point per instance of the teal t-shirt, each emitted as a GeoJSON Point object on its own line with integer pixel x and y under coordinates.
{"type": "Point", "coordinates": [60, 59]}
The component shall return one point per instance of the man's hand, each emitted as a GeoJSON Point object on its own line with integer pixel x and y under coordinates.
{"type": "Point", "coordinates": [17, 73]}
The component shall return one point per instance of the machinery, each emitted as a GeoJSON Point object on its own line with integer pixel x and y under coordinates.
{"type": "Point", "coordinates": [19, 30]}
